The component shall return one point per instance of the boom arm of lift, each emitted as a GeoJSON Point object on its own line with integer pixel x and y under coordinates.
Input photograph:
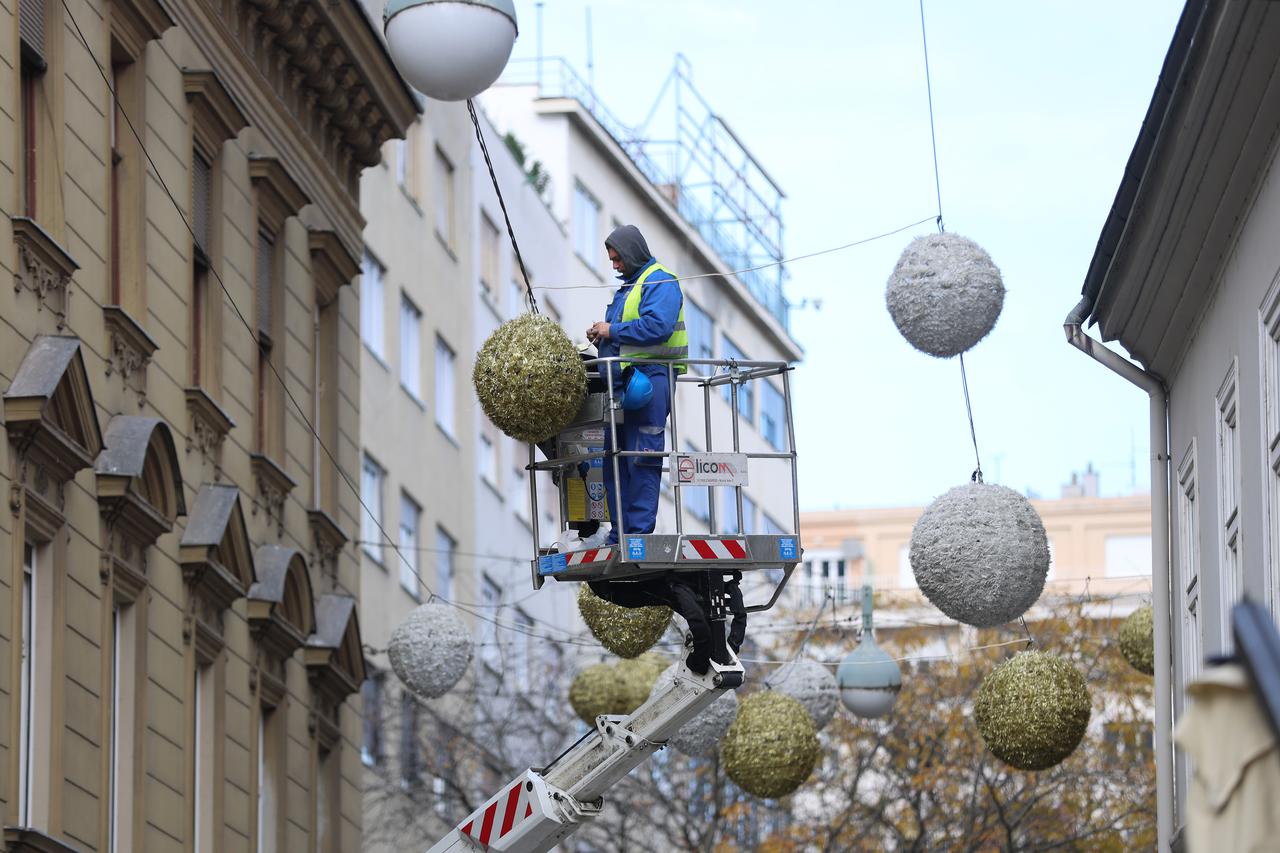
{"type": "Point", "coordinates": [541, 807]}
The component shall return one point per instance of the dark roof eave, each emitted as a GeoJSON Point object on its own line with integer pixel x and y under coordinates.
{"type": "Point", "coordinates": [1150, 138]}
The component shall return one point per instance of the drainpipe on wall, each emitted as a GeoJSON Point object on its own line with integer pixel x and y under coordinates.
{"type": "Point", "coordinates": [1160, 571]}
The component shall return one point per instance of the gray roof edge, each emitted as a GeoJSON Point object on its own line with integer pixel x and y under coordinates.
{"type": "Point", "coordinates": [210, 514]}
{"type": "Point", "coordinates": [1164, 101]}
{"type": "Point", "coordinates": [333, 612]}
{"type": "Point", "coordinates": [43, 366]}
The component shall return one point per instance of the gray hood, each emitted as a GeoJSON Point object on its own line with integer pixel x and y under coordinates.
{"type": "Point", "coordinates": [627, 241]}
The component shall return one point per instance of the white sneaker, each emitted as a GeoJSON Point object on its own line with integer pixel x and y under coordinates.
{"type": "Point", "coordinates": [595, 540]}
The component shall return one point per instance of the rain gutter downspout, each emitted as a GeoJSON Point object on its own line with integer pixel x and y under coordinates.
{"type": "Point", "coordinates": [1160, 569]}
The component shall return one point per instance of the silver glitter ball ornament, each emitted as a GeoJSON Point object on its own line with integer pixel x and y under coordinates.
{"type": "Point", "coordinates": [945, 294]}
{"type": "Point", "coordinates": [430, 650]}
{"type": "Point", "coordinates": [812, 685]}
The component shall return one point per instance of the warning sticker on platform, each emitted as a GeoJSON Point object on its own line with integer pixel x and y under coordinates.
{"type": "Point", "coordinates": [551, 564]}
{"type": "Point", "coordinates": [787, 549]}
{"type": "Point", "coordinates": [711, 469]}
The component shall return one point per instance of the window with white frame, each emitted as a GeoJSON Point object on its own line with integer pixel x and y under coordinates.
{"type": "Point", "coordinates": [487, 454]}
{"type": "Point", "coordinates": [410, 349]}
{"type": "Point", "coordinates": [823, 573]}
{"type": "Point", "coordinates": [410, 523]}
{"type": "Point", "coordinates": [444, 198]}
{"type": "Point", "coordinates": [401, 147]}
{"type": "Point", "coordinates": [1188, 560]}
{"type": "Point", "coordinates": [371, 479]}
{"type": "Point", "coordinates": [1269, 334]}
{"type": "Point", "coordinates": [906, 575]}
{"type": "Point", "coordinates": [490, 599]}
{"type": "Point", "coordinates": [773, 416]}
{"type": "Point", "coordinates": [519, 480]}
{"type": "Point", "coordinates": [26, 684]}
{"type": "Point", "coordinates": [445, 392]}
{"type": "Point", "coordinates": [516, 294]}
{"type": "Point", "coordinates": [522, 651]}
{"type": "Point", "coordinates": [445, 545]}
{"type": "Point", "coordinates": [372, 330]}
{"type": "Point", "coordinates": [490, 255]}
{"type": "Point", "coordinates": [371, 692]}
{"type": "Point", "coordinates": [701, 332]}
{"type": "Point", "coordinates": [1228, 441]}
{"type": "Point", "coordinates": [1127, 556]}
{"type": "Point", "coordinates": [746, 391]}
{"type": "Point", "coordinates": [586, 226]}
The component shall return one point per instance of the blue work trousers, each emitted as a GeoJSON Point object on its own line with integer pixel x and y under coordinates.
{"type": "Point", "coordinates": [640, 478]}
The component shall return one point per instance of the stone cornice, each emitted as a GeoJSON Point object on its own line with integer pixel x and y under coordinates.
{"type": "Point", "coordinates": [332, 265]}
{"type": "Point", "coordinates": [279, 195]}
{"type": "Point", "coordinates": [216, 116]}
{"type": "Point", "coordinates": [136, 22]}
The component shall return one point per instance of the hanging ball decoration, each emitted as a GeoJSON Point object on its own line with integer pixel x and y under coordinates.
{"type": "Point", "coordinates": [1032, 710]}
{"type": "Point", "coordinates": [628, 632]}
{"type": "Point", "coordinates": [980, 554]}
{"type": "Point", "coordinates": [529, 378]}
{"type": "Point", "coordinates": [945, 294]}
{"type": "Point", "coordinates": [1138, 642]}
{"type": "Point", "coordinates": [637, 677]}
{"type": "Point", "coordinates": [596, 690]}
{"type": "Point", "coordinates": [701, 736]}
{"type": "Point", "coordinates": [450, 50]}
{"type": "Point", "coordinates": [430, 650]}
{"type": "Point", "coordinates": [771, 747]}
{"type": "Point", "coordinates": [812, 685]}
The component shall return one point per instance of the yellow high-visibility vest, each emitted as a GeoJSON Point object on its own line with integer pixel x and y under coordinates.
{"type": "Point", "coordinates": [676, 346]}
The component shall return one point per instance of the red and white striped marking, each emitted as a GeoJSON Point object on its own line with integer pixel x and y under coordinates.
{"type": "Point", "coordinates": [714, 549]}
{"type": "Point", "coordinates": [593, 555]}
{"type": "Point", "coordinates": [501, 815]}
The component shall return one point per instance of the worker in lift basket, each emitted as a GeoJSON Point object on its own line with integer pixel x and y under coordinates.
{"type": "Point", "coordinates": [644, 322]}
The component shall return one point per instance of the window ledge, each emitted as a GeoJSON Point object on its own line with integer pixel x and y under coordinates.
{"type": "Point", "coordinates": [487, 300]}
{"type": "Point", "coordinates": [376, 357]}
{"type": "Point", "coordinates": [409, 197]}
{"type": "Point", "coordinates": [368, 551]}
{"type": "Point", "coordinates": [449, 435]}
{"type": "Point", "coordinates": [587, 264]}
{"type": "Point", "coordinates": [444, 243]}
{"type": "Point", "coordinates": [417, 401]}
{"type": "Point", "coordinates": [493, 487]}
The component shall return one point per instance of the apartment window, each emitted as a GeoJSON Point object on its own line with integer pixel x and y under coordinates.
{"type": "Point", "coordinates": [490, 248]}
{"type": "Point", "coordinates": [773, 416]}
{"type": "Point", "coordinates": [26, 684]}
{"type": "Point", "coordinates": [696, 499]}
{"type": "Point", "coordinates": [586, 227]}
{"type": "Point", "coordinates": [729, 512]}
{"type": "Point", "coordinates": [1127, 556]}
{"type": "Point", "coordinates": [410, 755]}
{"type": "Point", "coordinates": [410, 518]}
{"type": "Point", "coordinates": [1188, 558]}
{"type": "Point", "coordinates": [444, 387]}
{"type": "Point", "coordinates": [522, 651]}
{"type": "Point", "coordinates": [127, 191]}
{"type": "Point", "coordinates": [270, 795]}
{"type": "Point", "coordinates": [519, 481]}
{"type": "Point", "coordinates": [701, 332]}
{"type": "Point", "coordinates": [371, 695]}
{"type": "Point", "coordinates": [445, 546]}
{"type": "Point", "coordinates": [371, 308]}
{"type": "Point", "coordinates": [270, 412]}
{"type": "Point", "coordinates": [823, 574]}
{"type": "Point", "coordinates": [1228, 441]}
{"type": "Point", "coordinates": [746, 392]}
{"type": "Point", "coordinates": [371, 480]}
{"type": "Point", "coordinates": [444, 198]}
{"type": "Point", "coordinates": [490, 599]}
{"type": "Point", "coordinates": [401, 148]}
{"type": "Point", "coordinates": [31, 30]}
{"type": "Point", "coordinates": [205, 743]}
{"type": "Point", "coordinates": [327, 802]}
{"type": "Point", "coordinates": [1270, 346]}
{"type": "Point", "coordinates": [487, 454]}
{"type": "Point", "coordinates": [906, 575]}
{"type": "Point", "coordinates": [410, 353]}
{"type": "Point", "coordinates": [206, 345]}
{"type": "Point", "coordinates": [517, 298]}
{"type": "Point", "coordinates": [326, 364]}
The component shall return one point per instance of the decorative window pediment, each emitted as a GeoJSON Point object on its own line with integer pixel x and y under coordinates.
{"type": "Point", "coordinates": [281, 606]}
{"type": "Point", "coordinates": [139, 479]}
{"type": "Point", "coordinates": [332, 266]}
{"type": "Point", "coordinates": [279, 196]}
{"type": "Point", "coordinates": [334, 655]}
{"type": "Point", "coordinates": [214, 552]}
{"type": "Point", "coordinates": [49, 410]}
{"type": "Point", "coordinates": [215, 115]}
{"type": "Point", "coordinates": [44, 267]}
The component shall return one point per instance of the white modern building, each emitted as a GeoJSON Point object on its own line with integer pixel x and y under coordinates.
{"type": "Point", "coordinates": [1186, 276]}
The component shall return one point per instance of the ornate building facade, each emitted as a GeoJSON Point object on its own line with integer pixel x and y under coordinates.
{"type": "Point", "coordinates": [180, 652]}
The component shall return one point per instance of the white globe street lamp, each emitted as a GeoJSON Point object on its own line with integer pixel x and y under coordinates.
{"type": "Point", "coordinates": [450, 50]}
{"type": "Point", "coordinates": [869, 679]}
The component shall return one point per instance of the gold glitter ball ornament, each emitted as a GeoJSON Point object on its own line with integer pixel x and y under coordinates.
{"type": "Point", "coordinates": [638, 676]}
{"type": "Point", "coordinates": [529, 378]}
{"type": "Point", "coordinates": [771, 747]}
{"type": "Point", "coordinates": [597, 690]}
{"type": "Point", "coordinates": [628, 632]}
{"type": "Point", "coordinates": [1138, 642]}
{"type": "Point", "coordinates": [1032, 710]}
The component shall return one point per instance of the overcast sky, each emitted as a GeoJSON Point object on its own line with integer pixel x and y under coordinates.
{"type": "Point", "coordinates": [1037, 107]}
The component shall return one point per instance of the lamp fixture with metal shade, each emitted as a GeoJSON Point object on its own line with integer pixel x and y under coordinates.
{"type": "Point", "coordinates": [869, 679]}
{"type": "Point", "coordinates": [450, 50]}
